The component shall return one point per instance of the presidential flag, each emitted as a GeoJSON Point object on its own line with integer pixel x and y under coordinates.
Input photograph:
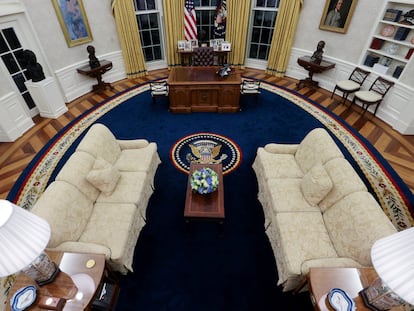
{"type": "Point", "coordinates": [220, 20]}
{"type": "Point", "coordinates": [190, 20]}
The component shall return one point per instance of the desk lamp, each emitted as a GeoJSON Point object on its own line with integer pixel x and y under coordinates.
{"type": "Point", "coordinates": [393, 260]}
{"type": "Point", "coordinates": [23, 238]}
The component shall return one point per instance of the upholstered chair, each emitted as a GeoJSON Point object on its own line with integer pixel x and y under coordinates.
{"type": "Point", "coordinates": [203, 56]}
{"type": "Point", "coordinates": [158, 89]}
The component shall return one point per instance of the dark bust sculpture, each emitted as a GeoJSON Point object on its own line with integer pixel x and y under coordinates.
{"type": "Point", "coordinates": [317, 55]}
{"type": "Point", "coordinates": [93, 61]}
{"type": "Point", "coordinates": [34, 69]}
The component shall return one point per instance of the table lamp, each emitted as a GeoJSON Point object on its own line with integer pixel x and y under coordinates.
{"type": "Point", "coordinates": [393, 260]}
{"type": "Point", "coordinates": [23, 238]}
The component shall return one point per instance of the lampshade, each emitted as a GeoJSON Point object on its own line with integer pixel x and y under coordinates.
{"type": "Point", "coordinates": [393, 260]}
{"type": "Point", "coordinates": [23, 237]}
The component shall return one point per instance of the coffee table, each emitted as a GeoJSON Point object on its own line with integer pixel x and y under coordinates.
{"type": "Point", "coordinates": [205, 206]}
{"type": "Point", "coordinates": [351, 280]}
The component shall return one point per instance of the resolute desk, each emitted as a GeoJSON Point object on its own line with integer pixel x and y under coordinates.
{"type": "Point", "coordinates": [200, 89]}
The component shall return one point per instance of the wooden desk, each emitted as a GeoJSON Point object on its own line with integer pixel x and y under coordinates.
{"type": "Point", "coordinates": [74, 278]}
{"type": "Point", "coordinates": [205, 206]}
{"type": "Point", "coordinates": [187, 56]}
{"type": "Point", "coordinates": [351, 280]}
{"type": "Point", "coordinates": [200, 89]}
{"type": "Point", "coordinates": [97, 73]}
{"type": "Point", "coordinates": [312, 68]}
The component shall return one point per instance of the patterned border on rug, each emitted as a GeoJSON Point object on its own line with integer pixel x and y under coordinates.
{"type": "Point", "coordinates": [206, 148]}
{"type": "Point", "coordinates": [393, 202]}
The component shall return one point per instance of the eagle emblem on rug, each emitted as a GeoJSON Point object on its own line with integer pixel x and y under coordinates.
{"type": "Point", "coordinates": [205, 148]}
{"type": "Point", "coordinates": [205, 151]}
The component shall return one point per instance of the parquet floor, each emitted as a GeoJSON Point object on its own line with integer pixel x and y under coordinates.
{"type": "Point", "coordinates": [396, 148]}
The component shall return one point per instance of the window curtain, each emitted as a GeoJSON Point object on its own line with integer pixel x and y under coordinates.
{"type": "Point", "coordinates": [238, 13]}
{"type": "Point", "coordinates": [174, 29]}
{"type": "Point", "coordinates": [127, 26]}
{"type": "Point", "coordinates": [285, 29]}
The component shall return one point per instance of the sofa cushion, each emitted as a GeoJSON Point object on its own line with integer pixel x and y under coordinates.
{"type": "Point", "coordinates": [301, 236]}
{"type": "Point", "coordinates": [345, 181]}
{"type": "Point", "coordinates": [286, 196]}
{"type": "Point", "coordinates": [75, 171]}
{"type": "Point", "coordinates": [317, 147]}
{"type": "Point", "coordinates": [100, 142]}
{"type": "Point", "coordinates": [141, 159]}
{"type": "Point", "coordinates": [316, 184]}
{"type": "Point", "coordinates": [103, 176]}
{"type": "Point", "coordinates": [354, 223]}
{"type": "Point", "coordinates": [66, 209]}
{"type": "Point", "coordinates": [110, 225]}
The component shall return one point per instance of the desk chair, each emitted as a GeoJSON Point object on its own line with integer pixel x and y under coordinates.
{"type": "Point", "coordinates": [353, 84]}
{"type": "Point", "coordinates": [374, 96]}
{"type": "Point", "coordinates": [159, 89]}
{"type": "Point", "coordinates": [203, 56]}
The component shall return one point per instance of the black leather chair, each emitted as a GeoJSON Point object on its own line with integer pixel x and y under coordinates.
{"type": "Point", "coordinates": [203, 56]}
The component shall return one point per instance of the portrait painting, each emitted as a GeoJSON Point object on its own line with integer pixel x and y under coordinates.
{"type": "Point", "coordinates": [337, 15]}
{"type": "Point", "coordinates": [72, 18]}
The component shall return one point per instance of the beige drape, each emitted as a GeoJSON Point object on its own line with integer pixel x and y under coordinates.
{"type": "Point", "coordinates": [174, 29]}
{"type": "Point", "coordinates": [238, 13]}
{"type": "Point", "coordinates": [285, 29]}
{"type": "Point", "coordinates": [127, 26]}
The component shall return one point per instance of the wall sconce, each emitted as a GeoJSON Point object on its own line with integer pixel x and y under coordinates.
{"type": "Point", "coordinates": [393, 260]}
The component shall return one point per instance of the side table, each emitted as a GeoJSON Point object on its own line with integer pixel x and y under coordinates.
{"type": "Point", "coordinates": [351, 280]}
{"type": "Point", "coordinates": [312, 68]}
{"type": "Point", "coordinates": [77, 282]}
{"type": "Point", "coordinates": [97, 73]}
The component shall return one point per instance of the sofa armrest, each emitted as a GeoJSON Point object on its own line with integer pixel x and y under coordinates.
{"type": "Point", "coordinates": [132, 144]}
{"type": "Point", "coordinates": [281, 148]}
{"type": "Point", "coordinates": [84, 247]}
{"type": "Point", "coordinates": [335, 262]}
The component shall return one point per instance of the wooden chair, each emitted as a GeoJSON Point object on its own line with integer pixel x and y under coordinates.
{"type": "Point", "coordinates": [353, 84]}
{"type": "Point", "coordinates": [203, 56]}
{"type": "Point", "coordinates": [374, 96]}
{"type": "Point", "coordinates": [250, 87]}
{"type": "Point", "coordinates": [159, 89]}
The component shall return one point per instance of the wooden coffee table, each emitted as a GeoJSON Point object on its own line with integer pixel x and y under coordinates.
{"type": "Point", "coordinates": [205, 206]}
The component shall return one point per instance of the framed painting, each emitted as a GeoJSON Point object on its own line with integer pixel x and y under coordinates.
{"type": "Point", "coordinates": [72, 18]}
{"type": "Point", "coordinates": [337, 15]}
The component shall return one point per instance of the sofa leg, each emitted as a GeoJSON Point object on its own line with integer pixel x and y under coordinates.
{"type": "Point", "coordinates": [300, 286]}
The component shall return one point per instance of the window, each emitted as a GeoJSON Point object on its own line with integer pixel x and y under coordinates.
{"type": "Point", "coordinates": [11, 53]}
{"type": "Point", "coordinates": [149, 25]}
{"type": "Point", "coordinates": [263, 21]}
{"type": "Point", "coordinates": [205, 12]}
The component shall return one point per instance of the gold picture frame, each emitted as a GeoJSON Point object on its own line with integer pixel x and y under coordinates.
{"type": "Point", "coordinates": [73, 21]}
{"type": "Point", "coordinates": [337, 15]}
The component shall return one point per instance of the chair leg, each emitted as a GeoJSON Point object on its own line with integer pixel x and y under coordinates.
{"type": "Point", "coordinates": [333, 92]}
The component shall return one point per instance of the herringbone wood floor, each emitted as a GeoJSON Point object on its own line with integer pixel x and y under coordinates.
{"type": "Point", "coordinates": [396, 148]}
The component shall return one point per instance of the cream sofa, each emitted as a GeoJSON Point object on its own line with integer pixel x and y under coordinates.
{"type": "Point", "coordinates": [318, 212]}
{"type": "Point", "coordinates": [98, 201]}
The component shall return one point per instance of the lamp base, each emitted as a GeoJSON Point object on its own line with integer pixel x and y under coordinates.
{"type": "Point", "coordinates": [50, 278]}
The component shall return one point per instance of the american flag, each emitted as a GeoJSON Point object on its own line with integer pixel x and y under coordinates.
{"type": "Point", "coordinates": [190, 20]}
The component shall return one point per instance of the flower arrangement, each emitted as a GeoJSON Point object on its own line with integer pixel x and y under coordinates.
{"type": "Point", "coordinates": [204, 180]}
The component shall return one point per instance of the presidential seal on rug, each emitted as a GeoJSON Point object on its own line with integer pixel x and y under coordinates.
{"type": "Point", "coordinates": [206, 148]}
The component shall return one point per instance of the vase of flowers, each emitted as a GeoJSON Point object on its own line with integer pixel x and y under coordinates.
{"type": "Point", "coordinates": [204, 181]}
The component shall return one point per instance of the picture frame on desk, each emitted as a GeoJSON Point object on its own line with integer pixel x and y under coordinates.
{"type": "Point", "coordinates": [213, 44]}
{"type": "Point", "coordinates": [337, 17]}
{"type": "Point", "coordinates": [73, 21]}
{"type": "Point", "coordinates": [226, 46]}
{"type": "Point", "coordinates": [219, 42]}
{"type": "Point", "coordinates": [187, 46]}
{"type": "Point", "coordinates": [194, 43]}
{"type": "Point", "coordinates": [181, 44]}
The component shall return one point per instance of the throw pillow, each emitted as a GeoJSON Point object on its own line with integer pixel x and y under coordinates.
{"type": "Point", "coordinates": [316, 184]}
{"type": "Point", "coordinates": [103, 176]}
